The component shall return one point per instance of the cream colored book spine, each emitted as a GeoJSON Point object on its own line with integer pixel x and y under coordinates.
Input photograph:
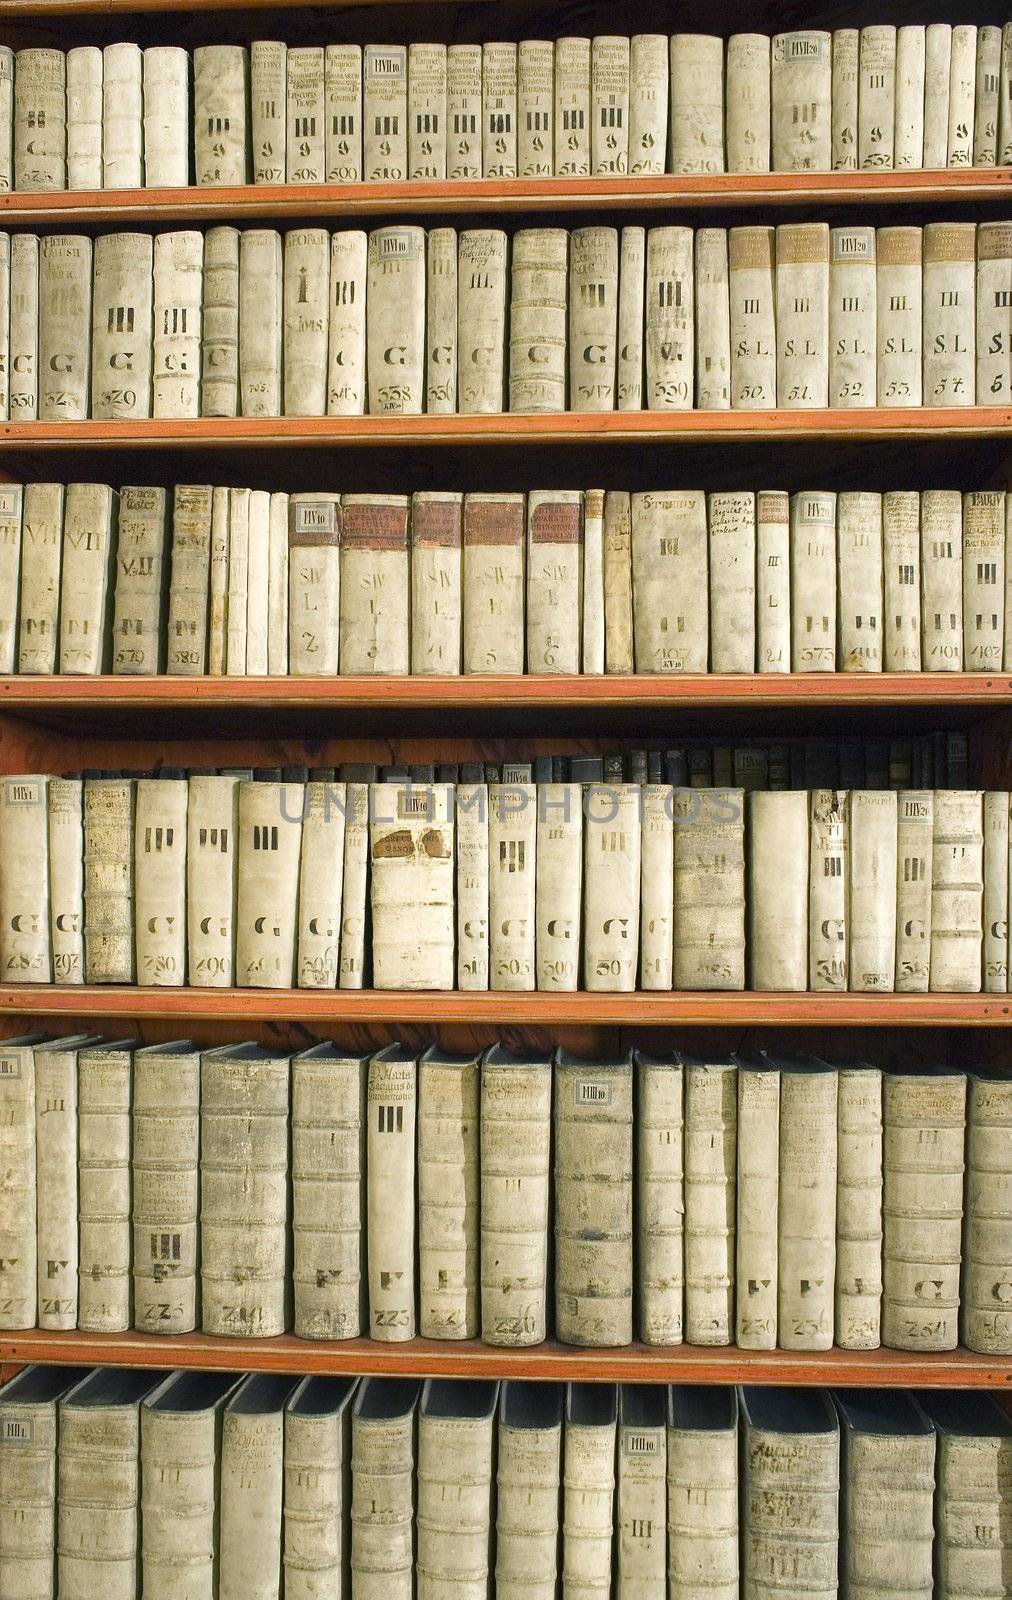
{"type": "Point", "coordinates": [631, 307]}
{"type": "Point", "coordinates": [40, 120]}
{"type": "Point", "coordinates": [391, 1099]}
{"type": "Point", "coordinates": [220, 131]}
{"type": "Point", "coordinates": [321, 883]}
{"type": "Point", "coordinates": [554, 580]}
{"type": "Point", "coordinates": [328, 1193]}
{"type": "Point", "coordinates": [985, 99]}
{"type": "Point", "coordinates": [778, 889]}
{"type": "Point", "coordinates": [270, 835]}
{"type": "Point", "coordinates": [871, 909]}
{"type": "Point", "coordinates": [995, 909]}
{"type": "Point", "coordinates": [852, 311]}
{"type": "Point", "coordinates": [713, 321]}
{"type": "Point", "coordinates": [512, 847]}
{"type": "Point", "coordinates": [269, 109]}
{"type": "Point", "coordinates": [801, 80]}
{"type": "Point", "coordinates": [527, 1497]}
{"type": "Point", "coordinates": [66, 878]}
{"type": "Point", "coordinates": [499, 110]}
{"type": "Point", "coordinates": [104, 1092]}
{"type": "Point", "coordinates": [85, 119]}
{"type": "Point", "coordinates": [572, 108]}
{"type": "Point", "coordinates": [411, 871]}
{"type": "Point", "coordinates": [611, 887]}
{"type": "Point", "coordinates": [178, 286]}
{"type": "Point", "coordinates": [160, 880]}
{"type": "Point", "coordinates": [535, 109]}
{"type": "Point", "coordinates": [342, 82]}
{"type": "Point", "coordinates": [974, 1466]}
{"type": "Point", "coordinates": [949, 350]}
{"type": "Point", "coordinates": [993, 299]}
{"type": "Point", "coordinates": [108, 880]}
{"type": "Point", "coordinates": [18, 1188]}
{"type": "Point", "coordinates": [828, 888]}
{"type": "Point", "coordinates": [463, 112]}
{"type": "Point", "coordinates": [962, 82]}
{"type": "Point", "coordinates": [122, 117]}
{"type": "Point", "coordinates": [516, 1132]}
{"type": "Point", "coordinates": [696, 115]}
{"type": "Point", "coordinates": [711, 1118]}
{"type": "Point", "coordinates": [957, 891]}
{"type": "Point", "coordinates": [42, 554]}
{"type": "Point", "coordinates": [25, 941]}
{"type": "Point", "coordinates": [436, 533]}
{"type": "Point", "coordinates": [648, 103]}
{"type": "Point", "coordinates": [251, 1489]}
{"type": "Point", "coordinates": [758, 1199]}
{"type": "Point", "coordinates": [441, 285]}
{"type": "Point", "coordinates": [593, 1203]}
{"type": "Point", "coordinates": [877, 97]}
{"type": "Point", "coordinates": [670, 581]}
{"type": "Point", "coordinates": [98, 1486]}
{"type": "Point", "coordinates": [593, 318]}
{"type": "Point", "coordinates": [316, 1465]}
{"type": "Point", "coordinates": [355, 898]}
{"type": "Point", "coordinates": [375, 604]}
{"type": "Point", "coordinates": [709, 908]}
{"type": "Point", "coordinates": [588, 1491]}
{"type": "Point", "coordinates": [219, 349]}
{"type": "Point", "coordinates": [914, 874]}
{"type": "Point", "coordinates": [986, 1322]}
{"type": "Point", "coordinates": [537, 368]}
{"type": "Point", "coordinates": [901, 570]}
{"type": "Point", "coordinates": [924, 1120]}
{"type": "Point", "coordinates": [11, 519]}
{"type": "Point", "coordinates": [790, 1470]}
{"type": "Point", "coordinates": [983, 579]}
{"type": "Point", "coordinates": [456, 1454]}
{"type": "Point", "coordinates": [427, 112]}
{"type": "Point", "coordinates": [244, 1198]}
{"type": "Point", "coordinates": [813, 581]}
{"type": "Point", "coordinates": [702, 1472]}
{"type": "Point", "coordinates": [212, 824]}
{"type": "Point", "coordinates": [142, 562]}
{"type": "Point", "coordinates": [314, 583]}
{"type": "Point", "coordinates": [306, 298]}
{"type": "Point", "coordinates": [395, 320]}
{"type": "Point", "coordinates": [6, 119]}
{"type": "Point", "coordinates": [641, 1494]}
{"type": "Point", "coordinates": [87, 578]}
{"type": "Point", "coordinates": [609, 105]}
{"type": "Point", "coordinates": [305, 134]}
{"type": "Point", "coordinates": [258, 582]}
{"type": "Point", "coordinates": [942, 580]}
{"type": "Point", "coordinates": [346, 350]}
{"type": "Point", "coordinates": [670, 320]}
{"type": "Point", "coordinates": [657, 851]}
{"type": "Point", "coordinates": [858, 1294]}
{"type": "Point", "coordinates": [618, 595]}
{"type": "Point", "coordinates": [592, 650]}
{"type": "Point", "coordinates": [65, 263]}
{"type": "Point", "coordinates": [24, 327]}
{"type": "Point", "coordinates": [802, 314]}
{"type": "Point", "coordinates": [806, 1214]}
{"type": "Point", "coordinates": [28, 1446]}
{"type": "Point", "coordinates": [899, 273]}
{"type": "Point", "coordinates": [481, 321]}
{"type": "Point", "coordinates": [472, 883]}
{"type": "Point", "coordinates": [277, 585]}
{"type": "Point", "coordinates": [166, 121]}
{"type": "Point", "coordinates": [261, 323]}
{"type": "Point", "coordinates": [237, 590]}
{"type": "Point", "coordinates": [448, 1196]}
{"type": "Point", "coordinates": [908, 127]}
{"type": "Point", "coordinates": [847, 85]}
{"type": "Point", "coordinates": [753, 312]}
{"type": "Point", "coordinates": [559, 894]}
{"type": "Point", "coordinates": [56, 1179]}
{"type": "Point", "coordinates": [179, 1458]}
{"type": "Point", "coordinates": [493, 583]}
{"type": "Point", "coordinates": [1003, 156]}
{"type": "Point", "coordinates": [660, 1200]}
{"type": "Point", "coordinates": [122, 326]}
{"type": "Point", "coordinates": [384, 113]}
{"type": "Point", "coordinates": [165, 1153]}
{"type": "Point", "coordinates": [773, 583]}
{"type": "Point", "coordinates": [747, 108]}
{"type": "Point", "coordinates": [382, 1504]}
{"type": "Point", "coordinates": [859, 547]}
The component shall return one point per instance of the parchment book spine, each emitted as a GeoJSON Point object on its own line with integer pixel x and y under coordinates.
{"type": "Point", "coordinates": [56, 1175]}
{"type": "Point", "coordinates": [472, 885]}
{"type": "Point", "coordinates": [321, 882]}
{"type": "Point", "coordinates": [527, 1494]}
{"type": "Point", "coordinates": [305, 131]}
{"type": "Point", "coordinates": [847, 86]}
{"type": "Point", "coordinates": [758, 1194]}
{"type": "Point", "coordinates": [165, 1151]}
{"type": "Point", "coordinates": [160, 880]}
{"type": "Point", "coordinates": [219, 371]}
{"type": "Point", "coordinates": [806, 1221]}
{"type": "Point", "coordinates": [212, 823]}
{"type": "Point", "coordinates": [122, 326]}
{"type": "Point", "coordinates": [25, 943]}
{"type": "Point", "coordinates": [436, 621]}
{"type": "Point", "coordinates": [572, 108]}
{"type": "Point", "coordinates": [631, 291]}
{"type": "Point", "coordinates": [901, 571]}
{"type": "Point", "coordinates": [65, 279]}
{"type": "Point", "coordinates": [696, 119]}
{"type": "Point", "coordinates": [261, 323]}
{"type": "Point", "coordinates": [42, 546]}
{"type": "Point", "coordinates": [346, 365]}
{"type": "Point", "coordinates": [464, 114]}
{"type": "Point", "coordinates": [427, 67]}
{"type": "Point", "coordinates": [268, 109]}
{"type": "Point", "coordinates": [515, 1165]}
{"type": "Point", "coordinates": [858, 1299]}
{"type": "Point", "coordinates": [588, 1483]}
{"type": "Point", "coordinates": [559, 891]}
{"type": "Point", "coordinates": [802, 314]}
{"type": "Point", "coordinates": [914, 876]}
{"type": "Point", "coordinates": [24, 327]}
{"type": "Point", "coordinates": [986, 1322]}
{"type": "Point", "coordinates": [141, 581]}
{"type": "Point", "coordinates": [122, 117]}
{"type": "Point", "coordinates": [827, 894]}
{"type": "Point", "coordinates": [270, 837]}
{"type": "Point", "coordinates": [328, 1193]}
{"type": "Point", "coordinates": [441, 295]}
{"type": "Point", "coordinates": [957, 891]}
{"type": "Point", "coordinates": [753, 311]}
{"type": "Point", "coordinates": [448, 1197]}
{"type": "Point", "coordinates": [40, 120]}
{"type": "Point", "coordinates": [908, 145]}
{"type": "Point", "coordinates": [949, 348]}
{"type": "Point", "coordinates": [411, 874]}
{"type": "Point", "coordinates": [801, 81]}
{"type": "Point", "coordinates": [384, 113]}
{"type": "Point", "coordinates": [481, 320]}
{"type": "Point", "coordinates": [609, 88]}
{"type": "Point", "coordinates": [18, 1190]}
{"type": "Point", "coordinates": [670, 320]}
{"type": "Point", "coordinates": [537, 370]}
{"type": "Point", "coordinates": [178, 269]}
{"type": "Point", "coordinates": [747, 113]}
{"type": "Point", "coordinates": [648, 102]}
{"type": "Point", "coordinates": [711, 1116]}
{"type": "Point", "coordinates": [395, 320]}
{"type": "Point", "coordinates": [593, 1203]}
{"type": "Point", "coordinates": [392, 1109]}
{"type": "Point", "coordinates": [220, 131]}
{"type": "Point", "coordinates": [709, 908]}
{"type": "Point", "coordinates": [382, 1505]}
{"type": "Point", "coordinates": [660, 1200]}
{"type": "Point", "coordinates": [702, 1473]}
{"type": "Point", "coordinates": [342, 79]}
{"type": "Point", "coordinates": [108, 880]}
{"type": "Point", "coordinates": [104, 1094]}
{"type": "Point", "coordinates": [852, 310]}
{"type": "Point", "coordinates": [713, 321]}
{"type": "Point", "coordinates": [306, 298]}
{"type": "Point", "coordinates": [166, 117]}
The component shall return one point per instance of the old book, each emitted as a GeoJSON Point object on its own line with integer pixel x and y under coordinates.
{"type": "Point", "coordinates": [390, 1165]}
{"type": "Point", "coordinates": [512, 844]}
{"type": "Point", "coordinates": [641, 1496]}
{"type": "Point", "coordinates": [974, 1461]}
{"type": "Point", "coordinates": [572, 108]}
{"type": "Point", "coordinates": [166, 117]}
{"type": "Point", "coordinates": [871, 907]}
{"type": "Point", "coordinates": [219, 348]}
{"type": "Point", "coordinates": [983, 579]}
{"type": "Point", "coordinates": [670, 321]}
{"type": "Point", "coordinates": [142, 569]}
{"type": "Point", "coordinates": [612, 872]}
{"type": "Point", "coordinates": [957, 891]}
{"type": "Point", "coordinates": [559, 889]}
{"type": "Point", "coordinates": [1003, 154]}
{"type": "Point", "coordinates": [848, 83]}
{"type": "Point", "coordinates": [317, 1487]}
{"type": "Point", "coordinates": [481, 321]}
{"type": "Point", "coordinates": [753, 311]}
{"type": "Point", "coordinates": [617, 580]}
{"type": "Point", "coordinates": [6, 119]}
{"type": "Point", "coordinates": [554, 573]}
{"type": "Point", "coordinates": [314, 583]}
{"type": "Point", "coordinates": [441, 320]}
{"type": "Point", "coordinates": [122, 326]}
{"type": "Point", "coordinates": [25, 939]}
{"type": "Point", "coordinates": [178, 282]}
{"type": "Point", "coordinates": [355, 950]}
{"type": "Point", "coordinates": [962, 82]}
{"type": "Point", "coordinates": [87, 578]}
{"type": "Point", "coordinates": [985, 1322]}
{"type": "Point", "coordinates": [660, 1198]}
{"type": "Point", "coordinates": [270, 837]}
{"type": "Point", "coordinates": [24, 327]}
{"type": "Point", "coordinates": [261, 323]}
{"type": "Point", "coordinates": [436, 535]}
{"type": "Point", "coordinates": [901, 574]}
{"type": "Point", "coordinates": [346, 372]}
{"type": "Point", "coordinates": [593, 1201]}
{"type": "Point", "coordinates": [384, 113]}
{"type": "Point", "coordinates": [924, 1115]}
{"type": "Point", "coordinates": [103, 1197]}
{"type": "Point", "coordinates": [251, 1487]}
{"type": "Point", "coordinates": [908, 123]}
{"type": "Point", "coordinates": [427, 66]}
{"type": "Point", "coordinates": [108, 880]}
{"type": "Point", "coordinates": [56, 1179]}
{"type": "Point", "coordinates": [858, 1292]}
{"type": "Point", "coordinates": [258, 525]}
{"type": "Point", "coordinates": [778, 889]}
{"type": "Point", "coordinates": [747, 111]}
{"type": "Point", "coordinates": [122, 117]}
{"type": "Point", "coordinates": [790, 1467]}
{"type": "Point", "coordinates": [537, 359]}
{"type": "Point", "coordinates": [711, 1119]}
{"type": "Point", "coordinates": [995, 906]}
{"type": "Point", "coordinates": [40, 120]}
{"type": "Point", "coordinates": [993, 298]}
{"type": "Point", "coordinates": [164, 1156]}
{"type": "Point", "coordinates": [221, 136]}
{"type": "Point", "coordinates": [18, 1187]}
{"type": "Point", "coordinates": [321, 881]}
{"type": "Point", "coordinates": [448, 1195]}
{"type": "Point", "coordinates": [212, 834]}
{"type": "Point", "coordinates": [493, 583]}
{"type": "Point", "coordinates": [709, 880]}
{"type": "Point", "coordinates": [395, 320]}
{"type": "Point", "coordinates": [648, 103]}
{"type": "Point", "coordinates": [160, 878]}
{"type": "Point", "coordinates": [305, 115]}
{"type": "Point", "coordinates": [942, 580]}
{"type": "Point", "coordinates": [914, 875]}
{"type": "Point", "coordinates": [98, 1483]}
{"type": "Point", "coordinates": [802, 314]}
{"type": "Point", "coordinates": [631, 292]}
{"type": "Point", "coordinates": [773, 598]}
{"type": "Point", "coordinates": [852, 309]}
{"type": "Point", "coordinates": [306, 300]}
{"type": "Point", "coordinates": [236, 628]}
{"type": "Point", "coordinates": [28, 1446]}
{"type": "Point", "coordinates": [527, 1490]}
{"type": "Point", "coordinates": [801, 93]}
{"type": "Point", "coordinates": [713, 322]}
{"type": "Point", "coordinates": [758, 1200]}
{"type": "Point", "coordinates": [179, 1459]}
{"type": "Point", "coordinates": [411, 876]}
{"type": "Point", "coordinates": [609, 105]}
{"type": "Point", "coordinates": [342, 111]}
{"type": "Point", "coordinates": [806, 1215]}
{"type": "Point", "coordinates": [949, 364]}
{"type": "Point", "coordinates": [828, 911]}
{"type": "Point", "coordinates": [65, 263]}
{"type": "Point", "coordinates": [702, 1473]}
{"type": "Point", "coordinates": [328, 1192]}
{"type": "Point", "coordinates": [657, 862]}
{"type": "Point", "coordinates": [813, 582]}
{"type": "Point", "coordinates": [593, 318]}
{"type": "Point", "coordinates": [516, 1131]}
{"type": "Point", "coordinates": [244, 1199]}
{"type": "Point", "coordinates": [382, 1506]}
{"type": "Point", "coordinates": [669, 564]}
{"type": "Point", "coordinates": [887, 1502]}
{"type": "Point", "coordinates": [588, 1479]}
{"type": "Point", "coordinates": [374, 593]}
{"type": "Point", "coordinates": [277, 584]}
{"type": "Point", "coordinates": [877, 97]}
{"type": "Point", "coordinates": [84, 119]}
{"type": "Point", "coordinates": [696, 116]}
{"type": "Point", "coordinates": [464, 121]}
{"type": "Point", "coordinates": [268, 59]}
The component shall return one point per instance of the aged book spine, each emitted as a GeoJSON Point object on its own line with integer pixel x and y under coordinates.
{"type": "Point", "coordinates": [974, 1464]}
{"type": "Point", "coordinates": [98, 1488]}
{"type": "Point", "coordinates": [219, 349]}
{"type": "Point", "coordinates": [713, 324]}
{"type": "Point", "coordinates": [609, 92]}
{"type": "Point", "coordinates": [270, 835]}
{"type": "Point", "coordinates": [983, 579]}
{"type": "Point", "coordinates": [887, 1502]}
{"type": "Point", "coordinates": [986, 1322]}
{"type": "Point", "coordinates": [346, 344]}
{"type": "Point", "coordinates": [790, 1499]}
{"type": "Point", "coordinates": [448, 1198]}
{"type": "Point", "coordinates": [537, 380]}
{"type": "Point", "coordinates": [160, 880]}
{"type": "Point", "coordinates": [593, 1203]}
{"type": "Point", "coordinates": [456, 1452]}
{"type": "Point", "coordinates": [355, 898]}
{"type": "Point", "coordinates": [87, 577]}
{"type": "Point", "coordinates": [778, 889]}
{"type": "Point", "coordinates": [898, 316]}
{"type": "Point", "coordinates": [852, 308]}
{"type": "Point", "coordinates": [949, 272]}
{"type": "Point", "coordinates": [166, 117]}
{"type": "Point", "coordinates": [941, 580]}
{"type": "Point", "coordinates": [411, 874]}
{"type": "Point", "coordinates": [463, 111]}
{"type": "Point", "coordinates": [179, 1480]}
{"type": "Point", "coordinates": [527, 1505]}
{"type": "Point", "coordinates": [962, 81]}
{"type": "Point", "coordinates": [753, 310]}
{"type": "Point", "coordinates": [696, 115]}
{"type": "Point", "coordinates": [806, 1214]}
{"type": "Point", "coordinates": [657, 886]}
{"type": "Point", "coordinates": [277, 584]}
{"type": "Point", "coordinates": [328, 1193]}
{"type": "Point", "coordinates": [985, 99]}
{"type": "Point", "coordinates": [937, 52]}
{"type": "Point", "coordinates": [306, 297]}
{"type": "Point", "coordinates": [516, 1130]}
{"type": "Point", "coordinates": [747, 113]}
{"type": "Point", "coordinates": [390, 1165]}
{"type": "Point", "coordinates": [472, 887]}
{"type": "Point", "coordinates": [588, 1483]}
{"type": "Point", "coordinates": [847, 86]}
{"type": "Point", "coordinates": [512, 918]}
{"type": "Point", "coordinates": [860, 558]}
{"type": "Point", "coordinates": [572, 108]}
{"type": "Point", "coordinates": [957, 890]}
{"type": "Point", "coordinates": [559, 893]}
{"type": "Point", "coordinates": [995, 906]}
{"type": "Point", "coordinates": [908, 145]}
{"type": "Point", "coordinates": [711, 1116]}
{"type": "Point", "coordinates": [592, 647]}
{"type": "Point", "coordinates": [670, 322]}
{"type": "Point", "coordinates": [641, 1494]}
{"type": "Point", "coordinates": [108, 880]}
{"type": "Point", "coordinates": [802, 314]}
{"type": "Point", "coordinates": [165, 1183]}
{"type": "Point", "coordinates": [709, 908]}
{"type": "Point", "coordinates": [813, 582]}
{"type": "Point", "coordinates": [40, 120]}
{"type": "Point", "coordinates": [660, 1201]}
{"type": "Point", "coordinates": [702, 1472]}
{"type": "Point", "coordinates": [436, 531]}
{"type": "Point", "coordinates": [84, 118]}
{"type": "Point", "coordinates": [64, 327]}
{"type": "Point", "coordinates": [493, 583]}
{"type": "Point", "coordinates": [1003, 155]}
{"type": "Point", "coordinates": [773, 596]}
{"type": "Point", "coordinates": [66, 878]}
{"type": "Point", "coordinates": [122, 117]}
{"type": "Point", "coordinates": [269, 110]}
{"type": "Point", "coordinates": [257, 582]}
{"type": "Point", "coordinates": [554, 574]}
{"type": "Point", "coordinates": [441, 321]}
{"type": "Point", "coordinates": [877, 97]}
{"type": "Point", "coordinates": [427, 68]}
{"type": "Point", "coordinates": [374, 594]}
{"type": "Point", "coordinates": [648, 103]}
{"type": "Point", "coordinates": [618, 595]}
{"type": "Point", "coordinates": [342, 82]}
{"type": "Point", "coordinates": [382, 1505]}
{"type": "Point", "coordinates": [251, 1491]}
{"type": "Point", "coordinates": [220, 133]}
{"type": "Point", "coordinates": [104, 1092]}
{"type": "Point", "coordinates": [593, 318]}
{"type": "Point", "coordinates": [24, 327]}
{"type": "Point", "coordinates": [25, 944]}
{"type": "Point", "coordinates": [993, 299]}
{"type": "Point", "coordinates": [481, 321]}
{"type": "Point", "coordinates": [384, 113]}
{"type": "Point", "coordinates": [11, 518]}
{"type": "Point", "coordinates": [314, 583]}
{"type": "Point", "coordinates": [611, 887]}
{"type": "Point", "coordinates": [827, 895]}
{"type": "Point", "coordinates": [178, 285]}
{"type": "Point", "coordinates": [801, 91]}
{"type": "Point", "coordinates": [6, 119]}
{"type": "Point", "coordinates": [395, 320]}
{"type": "Point", "coordinates": [321, 882]}
{"type": "Point", "coordinates": [18, 1271]}
{"type": "Point", "coordinates": [56, 1178]}
{"type": "Point", "coordinates": [305, 159]}
{"type": "Point", "coordinates": [42, 553]}
{"type": "Point", "coordinates": [261, 322]}
{"type": "Point", "coordinates": [317, 1485]}
{"type": "Point", "coordinates": [922, 1208]}
{"type": "Point", "coordinates": [858, 1294]}
{"type": "Point", "coordinates": [901, 564]}
{"type": "Point", "coordinates": [141, 574]}
{"type": "Point", "coordinates": [670, 565]}
{"type": "Point", "coordinates": [122, 326]}
{"type": "Point", "coordinates": [499, 110]}
{"type": "Point", "coordinates": [5, 341]}
{"type": "Point", "coordinates": [631, 306]}
{"type": "Point", "coordinates": [186, 632]}
{"type": "Point", "coordinates": [914, 875]}
{"type": "Point", "coordinates": [237, 591]}
{"type": "Point", "coordinates": [758, 1190]}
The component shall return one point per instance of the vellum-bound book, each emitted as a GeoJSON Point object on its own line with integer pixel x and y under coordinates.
{"type": "Point", "coordinates": [317, 1488]}
{"type": "Point", "coordinates": [813, 581]}
{"type": "Point", "coordinates": [328, 1192]}
{"type": "Point", "coordinates": [641, 1557]}
{"type": "Point", "coordinates": [25, 944]}
{"type": "Point", "coordinates": [165, 1150]}
{"type": "Point", "coordinates": [98, 1484]}
{"type": "Point", "coordinates": [179, 1459]}
{"type": "Point", "coordinates": [1003, 154]}
{"type": "Point", "coordinates": [593, 318]}
{"type": "Point", "coordinates": [306, 298]}
{"type": "Point", "coordinates": [670, 320]}
{"type": "Point", "coordinates": [648, 102]}
{"type": "Point", "coordinates": [773, 581]}
{"type": "Point", "coordinates": [860, 557]}
{"type": "Point", "coordinates": [527, 1484]}
{"type": "Point", "coordinates": [355, 951]}
{"type": "Point", "coordinates": [924, 1116]}
{"type": "Point", "coordinates": [983, 579]}
{"type": "Point", "coordinates": [40, 120]}
{"type": "Point", "coordinates": [411, 874]}
{"type": "Point", "coordinates": [516, 1133]}
{"type": "Point", "coordinates": [631, 292]}
{"type": "Point", "coordinates": [750, 254]}
{"type": "Point", "coordinates": [611, 887]}
{"type": "Point", "coordinates": [219, 351]}
{"type": "Point", "coordinates": [871, 909]}
{"type": "Point", "coordinates": [103, 1202]}
{"type": "Point", "coordinates": [382, 1506]}
{"type": "Point", "coordinates": [985, 99]}
{"type": "Point", "coordinates": [7, 119]}
{"type": "Point", "coordinates": [713, 321]}
{"type": "Point", "coordinates": [877, 97]}
{"type": "Point", "coordinates": [305, 137]}
{"type": "Point", "coordinates": [220, 133]}
{"type": "Point", "coordinates": [448, 1195]}
{"type": "Point", "coordinates": [65, 274]}
{"type": "Point", "coordinates": [554, 579]}
{"type": "Point", "coordinates": [858, 1295]}
{"type": "Point", "coordinates": [481, 320]}
{"type": "Point", "coordinates": [962, 81]}
{"type": "Point", "coordinates": [711, 1093]}
{"type": "Point", "coordinates": [244, 1216]}
{"type": "Point", "coordinates": [471, 803]}
{"type": "Point", "coordinates": [18, 1191]}
{"type": "Point", "coordinates": [374, 595]}
{"type": "Point", "coordinates": [108, 880]}
{"type": "Point", "coordinates": [41, 558]}
{"type": "Point", "coordinates": [593, 1202]}
{"type": "Point", "coordinates": [986, 1319]}
{"type": "Point", "coordinates": [731, 522]}
{"type": "Point", "coordinates": [806, 1224]}
{"type": "Point", "coordinates": [758, 1196]}
{"type": "Point", "coordinates": [251, 1492]}
{"type": "Point", "coordinates": [908, 144]}
{"type": "Point", "coordinates": [949, 348]}
{"type": "Point", "coordinates": [588, 1499]}
{"type": "Point", "coordinates": [512, 848]}
{"type": "Point", "coordinates": [270, 834]}
{"type": "Point", "coordinates": [942, 580]}
{"type": "Point", "coordinates": [696, 122]}
{"type": "Point", "coordinates": [142, 568]}
{"type": "Point", "coordinates": [572, 108]}
{"type": "Point", "coordinates": [441, 295]}
{"type": "Point", "coordinates": [435, 586]}
{"type": "Point", "coordinates": [236, 628]}
{"type": "Point", "coordinates": [914, 877]}
{"type": "Point", "coordinates": [901, 575]}
{"type": "Point", "coordinates": [212, 834]}
{"type": "Point", "coordinates": [499, 110]}
{"type": "Point", "coordinates": [87, 577]}
{"type": "Point", "coordinates": [314, 583]}
{"type": "Point", "coordinates": [828, 890]}
{"type": "Point", "coordinates": [537, 367]}
{"type": "Point", "coordinates": [160, 878]}
{"type": "Point", "coordinates": [11, 508]}
{"type": "Point", "coordinates": [269, 109]}
{"type": "Point", "coordinates": [609, 105]}
{"type": "Point", "coordinates": [28, 1446]}
{"type": "Point", "coordinates": [747, 110]}
{"type": "Point", "coordinates": [427, 111]}
{"type": "Point", "coordinates": [657, 864]}
{"type": "Point", "coordinates": [660, 1198]}
{"type": "Point", "coordinates": [702, 1473]}
{"type": "Point", "coordinates": [778, 889]}
{"type": "Point", "coordinates": [898, 315]}
{"type": "Point", "coordinates": [669, 567]}
{"type": "Point", "coordinates": [395, 320]}
{"type": "Point", "coordinates": [709, 881]}
{"type": "Point", "coordinates": [342, 82]}
{"type": "Point", "coordinates": [321, 881]}
{"type": "Point", "coordinates": [993, 298]}
{"type": "Point", "coordinates": [384, 113]}
{"type": "Point", "coordinates": [24, 327]}
{"type": "Point", "coordinates": [166, 117]}
{"type": "Point", "coordinates": [847, 86]}
{"type": "Point", "coordinates": [888, 1492]}
{"type": "Point", "coordinates": [122, 117]}
{"type": "Point", "coordinates": [391, 1108]}
{"type": "Point", "coordinates": [454, 1511]}
{"type": "Point", "coordinates": [853, 301]}
{"type": "Point", "coordinates": [972, 1474]}
{"type": "Point", "coordinates": [957, 891]}
{"type": "Point", "coordinates": [790, 1465]}
{"type": "Point", "coordinates": [122, 326]}
{"type": "Point", "coordinates": [261, 323]}
{"type": "Point", "coordinates": [617, 581]}
{"type": "Point", "coordinates": [801, 89]}
{"type": "Point", "coordinates": [463, 111]}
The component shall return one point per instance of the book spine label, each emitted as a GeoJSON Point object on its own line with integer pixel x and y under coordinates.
{"type": "Point", "coordinates": [758, 1192]}
{"type": "Point", "coordinates": [877, 97]}
{"type": "Point", "coordinates": [84, 118]}
{"type": "Point", "coordinates": [212, 824]}
{"type": "Point", "coordinates": [949, 273]}
{"type": "Point", "coordinates": [122, 116]}
{"type": "Point", "coordinates": [122, 326]}
{"type": "Point", "coordinates": [395, 320]}
{"type": "Point", "coordinates": [305, 122]}
{"type": "Point", "coordinates": [448, 1201]}
{"type": "Point", "coordinates": [166, 117]}
{"type": "Point", "coordinates": [441, 300]}
{"type": "Point", "coordinates": [747, 113]}
{"type": "Point", "coordinates": [343, 107]}
{"type": "Point", "coordinates": [391, 1104]}
{"type": "Point", "coordinates": [463, 111]}
{"type": "Point", "coordinates": [852, 302]}
{"type": "Point", "coordinates": [802, 314]}
{"type": "Point", "coordinates": [306, 299]}
{"type": "Point", "coordinates": [104, 1089]}
{"type": "Point", "coordinates": [711, 1117]}
{"type": "Point", "coordinates": [696, 119]}
{"type": "Point", "coordinates": [609, 90]}
{"type": "Point", "coordinates": [481, 321]}
{"type": "Point", "coordinates": [18, 1272]}
{"type": "Point", "coordinates": [427, 67]}
{"type": "Point", "coordinates": [516, 1133]}
{"type": "Point", "coordinates": [384, 113]}
{"type": "Point", "coordinates": [346, 344]}
{"type": "Point", "coordinates": [554, 573]}
{"type": "Point", "coordinates": [141, 569]}
{"type": "Point", "coordinates": [753, 306]}
{"type": "Point", "coordinates": [261, 322]}
{"type": "Point", "coordinates": [813, 582]}
{"type": "Point", "coordinates": [802, 92]}
{"type": "Point", "coordinates": [593, 318]}
{"type": "Point", "coordinates": [178, 287]}
{"type": "Point", "coordinates": [220, 133]}
{"type": "Point", "coordinates": [40, 120]}
{"type": "Point", "coordinates": [559, 890]}
{"type": "Point", "coordinates": [631, 307]}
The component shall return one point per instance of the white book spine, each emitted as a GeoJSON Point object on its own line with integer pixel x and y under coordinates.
{"type": "Point", "coordinates": [806, 1222]}
{"type": "Point", "coordinates": [24, 327]}
{"type": "Point", "coordinates": [343, 106]}
{"type": "Point", "coordinates": [554, 573]}
{"type": "Point", "coordinates": [747, 113]}
{"type": "Point", "coordinates": [801, 79]}
{"type": "Point", "coordinates": [261, 322]}
{"type": "Point", "coordinates": [914, 874]}
{"type": "Point", "coordinates": [942, 580]}
{"type": "Point", "coordinates": [56, 1176]}
{"type": "Point", "coordinates": [98, 1495]}
{"type": "Point", "coordinates": [877, 97]}
{"type": "Point", "coordinates": [713, 321]}
{"type": "Point", "coordinates": [258, 583]}
{"type": "Point", "coordinates": [846, 90]}
{"type": "Point", "coordinates": [160, 881]}
{"type": "Point", "coordinates": [962, 82]}
{"type": "Point", "coordinates": [374, 593]}
{"type": "Point", "coordinates": [773, 596]}
{"type": "Point", "coordinates": [559, 885]}
{"type": "Point", "coordinates": [108, 880]}
{"type": "Point", "coordinates": [212, 823]}
{"type": "Point", "coordinates": [220, 132]}
{"type": "Point", "coordinates": [670, 564]}
{"type": "Point", "coordinates": [164, 1155]}
{"type": "Point", "coordinates": [178, 1508]}
{"type": "Point", "coordinates": [472, 886]}
{"type": "Point", "coordinates": [141, 569]}
{"type": "Point", "coordinates": [657, 886]}
{"type": "Point", "coordinates": [983, 579]}
{"type": "Point", "coordinates": [84, 118]}
{"type": "Point", "coordinates": [898, 283]}
{"type": "Point", "coordinates": [237, 591]}
{"type": "Point", "coordinates": [802, 314]}
{"type": "Point", "coordinates": [908, 135]}
{"type": "Point", "coordinates": [852, 308]}
{"type": "Point", "coordinates": [306, 301]}
{"type": "Point", "coordinates": [702, 1469]}
{"type": "Point", "coordinates": [993, 298]}
{"type": "Point", "coordinates": [572, 108]}
{"type": "Point", "coordinates": [354, 900]}
{"type": "Point", "coordinates": [535, 109]}
{"type": "Point", "coordinates": [395, 320]}
{"type": "Point", "coordinates": [859, 556]}
{"type": "Point", "coordinates": [481, 321]}
{"type": "Point", "coordinates": [346, 347]}
{"type": "Point", "coordinates": [949, 351]}
{"type": "Point", "coordinates": [499, 110]}
{"type": "Point", "coordinates": [5, 340]}
{"type": "Point", "coordinates": [42, 545]}
{"type": "Point", "coordinates": [588, 1485]}
{"type": "Point", "coordinates": [609, 91]}
{"type": "Point", "coordinates": [972, 1475]}
{"type": "Point", "coordinates": [986, 1319]}
{"type": "Point", "coordinates": [813, 582]}
{"type": "Point", "coordinates": [827, 895]}
{"type": "Point", "coordinates": [670, 320]}
{"type": "Point", "coordinates": [269, 110]}
{"type": "Point", "coordinates": [753, 311]}
{"type": "Point", "coordinates": [696, 119]}
{"type": "Point", "coordinates": [186, 633]}
{"type": "Point", "coordinates": [6, 119]}
{"type": "Point", "coordinates": [219, 370]}
{"type": "Point", "coordinates": [277, 585]}
{"type": "Point", "coordinates": [758, 1192]}
{"type": "Point", "coordinates": [631, 291]}
{"type": "Point", "coordinates": [104, 1092]}
{"type": "Point", "coordinates": [40, 120]}
{"type": "Point", "coordinates": [328, 1195]}
{"type": "Point", "coordinates": [858, 1299]}
{"type": "Point", "coordinates": [270, 836]}
{"type": "Point", "coordinates": [25, 947]}
{"type": "Point", "coordinates": [516, 1132]}
{"type": "Point", "coordinates": [390, 1164]}
{"type": "Point", "coordinates": [314, 583]}
{"type": "Point", "coordinates": [593, 318]}
{"type": "Point", "coordinates": [790, 1508]}
{"type": "Point", "coordinates": [454, 1510]}
{"type": "Point", "coordinates": [618, 597]}
{"type": "Point", "coordinates": [178, 288]}
{"type": "Point", "coordinates": [28, 1433]}
{"type": "Point", "coordinates": [996, 863]}
{"type": "Point", "coordinates": [64, 327]}
{"type": "Point", "coordinates": [648, 103]}
{"type": "Point", "coordinates": [305, 116]}
{"type": "Point", "coordinates": [512, 918]}
{"type": "Point", "coordinates": [321, 883]}
{"type": "Point", "coordinates": [436, 530]}
{"type": "Point", "coordinates": [985, 100]}
{"type": "Point", "coordinates": [441, 299]}
{"type": "Point", "coordinates": [527, 1512]}
{"type": "Point", "coordinates": [592, 650]}
{"type": "Point", "coordinates": [11, 514]}
{"type": "Point", "coordinates": [384, 113]}
{"type": "Point", "coordinates": [427, 67]}
{"type": "Point", "coordinates": [448, 1200]}
{"type": "Point", "coordinates": [411, 877]}
{"type": "Point", "coordinates": [166, 118]}
{"type": "Point", "coordinates": [537, 377]}
{"type": "Point", "coordinates": [66, 878]}
{"type": "Point", "coordinates": [611, 887]}
{"type": "Point", "coordinates": [122, 117]}
{"type": "Point", "coordinates": [871, 911]}
{"type": "Point", "coordinates": [660, 1202]}
{"type": "Point", "coordinates": [122, 326]}
{"type": "Point", "coordinates": [18, 1271]}
{"type": "Point", "coordinates": [640, 1510]}
{"type": "Point", "coordinates": [937, 53]}
{"type": "Point", "coordinates": [901, 564]}
{"type": "Point", "coordinates": [382, 1506]}
{"type": "Point", "coordinates": [463, 111]}
{"type": "Point", "coordinates": [709, 910]}
{"type": "Point", "coordinates": [493, 583]}
{"type": "Point", "coordinates": [86, 581]}
{"type": "Point", "coordinates": [778, 889]}
{"type": "Point", "coordinates": [250, 1501]}
{"type": "Point", "coordinates": [711, 1118]}
{"type": "Point", "coordinates": [957, 891]}
{"type": "Point", "coordinates": [1003, 156]}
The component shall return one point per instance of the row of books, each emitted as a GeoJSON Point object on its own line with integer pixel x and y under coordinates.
{"type": "Point", "coordinates": [196, 579]}
{"type": "Point", "coordinates": [403, 321]}
{"type": "Point", "coordinates": [245, 1191]}
{"type": "Point", "coordinates": [273, 1484]}
{"type": "Point", "coordinates": [296, 877]}
{"type": "Point", "coordinates": [874, 98]}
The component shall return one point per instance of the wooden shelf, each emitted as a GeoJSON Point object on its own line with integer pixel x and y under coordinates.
{"type": "Point", "coordinates": [502, 1008]}
{"type": "Point", "coordinates": [562, 428]}
{"type": "Point", "coordinates": [10, 10]}
{"type": "Point", "coordinates": [550, 1361]}
{"type": "Point", "coordinates": [504, 197]}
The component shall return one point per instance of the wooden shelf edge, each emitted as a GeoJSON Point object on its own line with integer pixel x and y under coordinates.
{"type": "Point", "coordinates": [548, 1362]}
{"type": "Point", "coordinates": [569, 427]}
{"type": "Point", "coordinates": [502, 1008]}
{"type": "Point", "coordinates": [670, 191]}
{"type": "Point", "coordinates": [11, 10]}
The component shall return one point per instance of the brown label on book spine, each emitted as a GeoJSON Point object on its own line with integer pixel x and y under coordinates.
{"type": "Point", "coordinates": [375, 527]}
{"type": "Point", "coordinates": [494, 522]}
{"type": "Point", "coordinates": [555, 523]}
{"type": "Point", "coordinates": [436, 524]}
